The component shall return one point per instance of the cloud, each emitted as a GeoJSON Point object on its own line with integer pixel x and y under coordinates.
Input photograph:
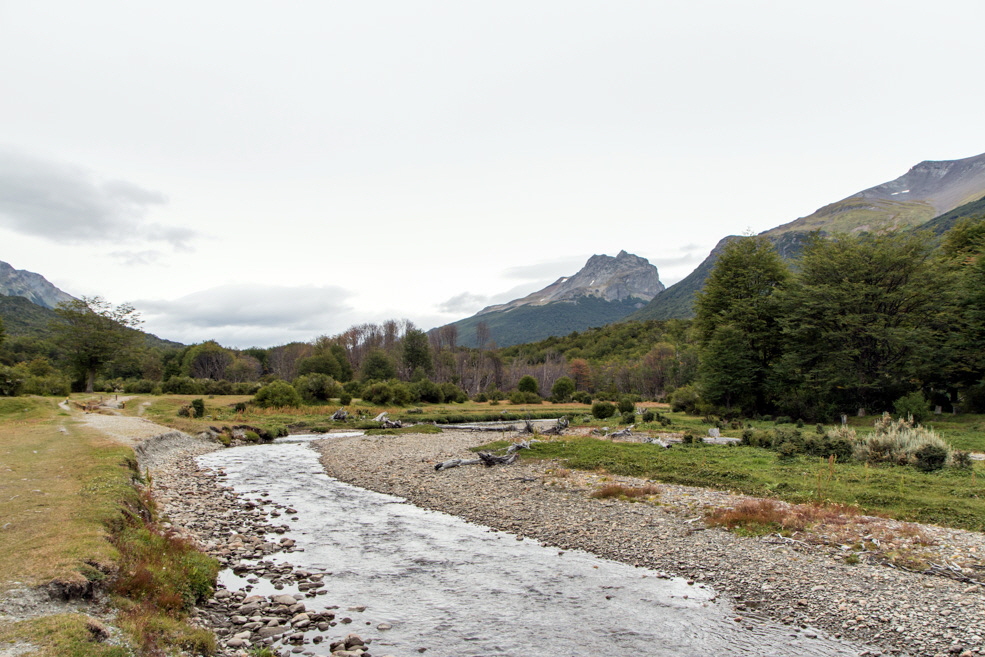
{"type": "Point", "coordinates": [145, 257]}
{"type": "Point", "coordinates": [463, 303]}
{"type": "Point", "coordinates": [245, 315]}
{"type": "Point", "coordinates": [67, 204]}
{"type": "Point", "coordinates": [552, 270]}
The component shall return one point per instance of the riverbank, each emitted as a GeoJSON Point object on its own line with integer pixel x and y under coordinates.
{"type": "Point", "coordinates": [793, 582]}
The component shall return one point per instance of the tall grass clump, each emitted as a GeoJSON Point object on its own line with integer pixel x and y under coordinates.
{"type": "Point", "coordinates": [902, 443]}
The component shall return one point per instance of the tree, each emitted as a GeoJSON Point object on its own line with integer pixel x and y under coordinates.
{"type": "Point", "coordinates": [3, 333]}
{"type": "Point", "coordinates": [277, 394]}
{"type": "Point", "coordinates": [92, 331]}
{"type": "Point", "coordinates": [527, 383]}
{"type": "Point", "coordinates": [581, 373]}
{"type": "Point", "coordinates": [562, 389]}
{"type": "Point", "coordinates": [859, 319]}
{"type": "Point", "coordinates": [377, 366]}
{"type": "Point", "coordinates": [207, 360]}
{"type": "Point", "coordinates": [417, 351]}
{"type": "Point", "coordinates": [739, 295]}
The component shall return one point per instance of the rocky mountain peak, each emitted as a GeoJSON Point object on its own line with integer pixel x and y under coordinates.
{"type": "Point", "coordinates": [33, 287]}
{"type": "Point", "coordinates": [605, 277]}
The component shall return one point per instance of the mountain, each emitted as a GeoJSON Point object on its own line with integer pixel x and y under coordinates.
{"type": "Point", "coordinates": [932, 194]}
{"type": "Point", "coordinates": [605, 290]}
{"type": "Point", "coordinates": [33, 287]}
{"type": "Point", "coordinates": [27, 301]}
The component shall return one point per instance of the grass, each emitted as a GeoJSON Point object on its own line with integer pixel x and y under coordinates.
{"type": "Point", "coordinates": [765, 516]}
{"type": "Point", "coordinates": [630, 493]}
{"type": "Point", "coordinates": [947, 497]}
{"type": "Point", "coordinates": [58, 490]}
{"type": "Point", "coordinates": [71, 515]}
{"type": "Point", "coordinates": [62, 635]}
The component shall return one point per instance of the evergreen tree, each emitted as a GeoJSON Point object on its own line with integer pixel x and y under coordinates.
{"type": "Point", "coordinates": [737, 309]}
{"type": "Point", "coordinates": [417, 351]}
{"type": "Point", "coordinates": [858, 320]}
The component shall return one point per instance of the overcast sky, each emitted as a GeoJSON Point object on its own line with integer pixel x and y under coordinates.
{"type": "Point", "coordinates": [260, 172]}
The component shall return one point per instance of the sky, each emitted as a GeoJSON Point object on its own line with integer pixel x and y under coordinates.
{"type": "Point", "coordinates": [263, 172]}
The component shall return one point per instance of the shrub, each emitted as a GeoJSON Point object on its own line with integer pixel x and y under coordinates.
{"type": "Point", "coordinates": [316, 387]}
{"type": "Point", "coordinates": [603, 410]}
{"type": "Point", "coordinates": [930, 457]}
{"type": "Point", "coordinates": [913, 405]}
{"type": "Point", "coordinates": [647, 416]}
{"type": "Point", "coordinates": [783, 419]}
{"type": "Point", "coordinates": [518, 397]}
{"type": "Point", "coordinates": [140, 386]}
{"type": "Point", "coordinates": [277, 394]}
{"type": "Point", "coordinates": [403, 394]}
{"type": "Point", "coordinates": [628, 418]}
{"type": "Point", "coordinates": [581, 397]}
{"type": "Point", "coordinates": [198, 406]}
{"type": "Point", "coordinates": [378, 393]}
{"type": "Point", "coordinates": [429, 392]}
{"type": "Point", "coordinates": [527, 383]}
{"type": "Point", "coordinates": [787, 450]}
{"type": "Point", "coordinates": [961, 459]}
{"type": "Point", "coordinates": [345, 398]}
{"type": "Point", "coordinates": [246, 388]}
{"type": "Point", "coordinates": [626, 404]}
{"type": "Point", "coordinates": [562, 389]}
{"type": "Point", "coordinates": [898, 441]}
{"type": "Point", "coordinates": [453, 393]}
{"type": "Point", "coordinates": [685, 399]}
{"type": "Point", "coordinates": [182, 385]}
{"type": "Point", "coordinates": [354, 388]}
{"type": "Point", "coordinates": [47, 386]}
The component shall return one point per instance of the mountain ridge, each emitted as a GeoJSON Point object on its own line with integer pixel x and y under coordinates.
{"type": "Point", "coordinates": [934, 188]}
{"type": "Point", "coordinates": [33, 287]}
{"type": "Point", "coordinates": [604, 290]}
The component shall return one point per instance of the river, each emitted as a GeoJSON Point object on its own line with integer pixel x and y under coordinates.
{"type": "Point", "coordinates": [457, 589]}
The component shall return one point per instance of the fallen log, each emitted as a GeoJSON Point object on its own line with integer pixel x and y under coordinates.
{"type": "Point", "coordinates": [489, 460]}
{"type": "Point", "coordinates": [558, 428]}
{"type": "Point", "coordinates": [654, 440]}
{"type": "Point", "coordinates": [622, 433]}
{"type": "Point", "coordinates": [340, 414]}
{"type": "Point", "coordinates": [454, 463]}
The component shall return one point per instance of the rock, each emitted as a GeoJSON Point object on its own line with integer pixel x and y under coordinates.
{"type": "Point", "coordinates": [382, 627]}
{"type": "Point", "coordinates": [283, 600]}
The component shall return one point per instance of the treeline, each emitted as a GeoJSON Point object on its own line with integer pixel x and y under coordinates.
{"type": "Point", "coordinates": [860, 324]}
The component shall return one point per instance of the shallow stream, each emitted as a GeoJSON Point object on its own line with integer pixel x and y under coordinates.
{"type": "Point", "coordinates": [458, 589]}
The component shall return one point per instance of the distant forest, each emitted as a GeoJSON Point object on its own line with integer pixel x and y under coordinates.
{"type": "Point", "coordinates": [858, 323]}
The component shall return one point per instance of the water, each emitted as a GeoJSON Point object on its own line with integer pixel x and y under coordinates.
{"type": "Point", "coordinates": [460, 589]}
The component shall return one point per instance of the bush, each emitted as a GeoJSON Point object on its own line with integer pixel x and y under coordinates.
{"type": "Point", "coordinates": [453, 393]}
{"type": "Point", "coordinates": [562, 389]}
{"type": "Point", "coordinates": [603, 410]}
{"type": "Point", "coordinates": [913, 405]}
{"type": "Point", "coordinates": [627, 418]}
{"type": "Point", "coordinates": [345, 398]}
{"type": "Point", "coordinates": [429, 392]}
{"type": "Point", "coordinates": [519, 397]}
{"type": "Point", "coordinates": [221, 387]}
{"type": "Point", "coordinates": [277, 394]}
{"type": "Point", "coordinates": [380, 394]}
{"type": "Point", "coordinates": [930, 457]}
{"type": "Point", "coordinates": [182, 385]}
{"type": "Point", "coordinates": [316, 387]}
{"type": "Point", "coordinates": [685, 399]}
{"type": "Point", "coordinates": [140, 386]}
{"type": "Point", "coordinates": [626, 404]}
{"type": "Point", "coordinates": [647, 416]}
{"type": "Point", "coordinates": [50, 385]}
{"type": "Point", "coordinates": [581, 397]}
{"type": "Point", "coordinates": [527, 383]}
{"type": "Point", "coordinates": [403, 394]}
{"type": "Point", "coordinates": [198, 405]}
{"type": "Point", "coordinates": [898, 441]}
{"type": "Point", "coordinates": [354, 388]}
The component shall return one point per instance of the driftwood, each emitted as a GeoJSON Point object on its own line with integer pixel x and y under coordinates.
{"type": "Point", "coordinates": [558, 428]}
{"type": "Point", "coordinates": [487, 459]}
{"type": "Point", "coordinates": [385, 421]}
{"type": "Point", "coordinates": [655, 440]}
{"type": "Point", "coordinates": [340, 414]}
{"type": "Point", "coordinates": [622, 433]}
{"type": "Point", "coordinates": [454, 463]}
